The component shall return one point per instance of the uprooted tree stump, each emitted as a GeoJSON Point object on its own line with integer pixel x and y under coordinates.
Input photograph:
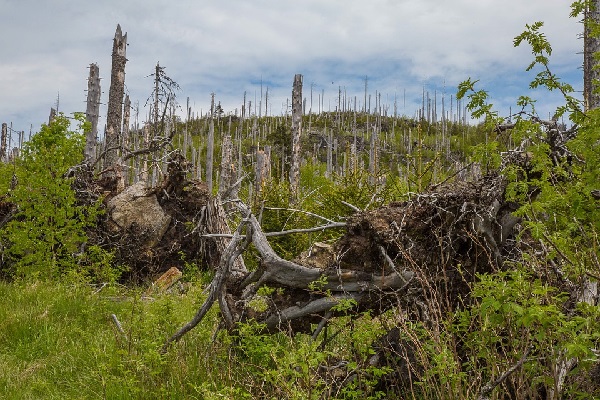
{"type": "Point", "coordinates": [150, 230]}
{"type": "Point", "coordinates": [415, 253]}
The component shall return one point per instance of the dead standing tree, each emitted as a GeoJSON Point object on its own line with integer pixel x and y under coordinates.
{"type": "Point", "coordinates": [591, 47]}
{"type": "Point", "coordinates": [115, 105]}
{"type": "Point", "coordinates": [210, 145]}
{"type": "Point", "coordinates": [3, 154]}
{"type": "Point", "coordinates": [92, 112]}
{"type": "Point", "coordinates": [163, 98]}
{"type": "Point", "coordinates": [296, 134]}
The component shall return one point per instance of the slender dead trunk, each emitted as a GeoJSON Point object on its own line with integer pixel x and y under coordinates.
{"type": "Point", "coordinates": [591, 47]}
{"type": "Point", "coordinates": [144, 172]}
{"type": "Point", "coordinates": [296, 133]}
{"type": "Point", "coordinates": [228, 173]}
{"type": "Point", "coordinates": [210, 146]}
{"type": "Point", "coordinates": [115, 102]}
{"type": "Point", "coordinates": [262, 168]}
{"type": "Point", "coordinates": [125, 139]}
{"type": "Point", "coordinates": [329, 136]}
{"type": "Point", "coordinates": [126, 118]}
{"type": "Point", "coordinates": [3, 157]}
{"type": "Point", "coordinates": [125, 128]}
{"type": "Point", "coordinates": [52, 115]}
{"type": "Point", "coordinates": [92, 112]}
{"type": "Point", "coordinates": [373, 150]}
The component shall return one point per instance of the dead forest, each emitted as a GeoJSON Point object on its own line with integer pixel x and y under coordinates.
{"type": "Point", "coordinates": [418, 227]}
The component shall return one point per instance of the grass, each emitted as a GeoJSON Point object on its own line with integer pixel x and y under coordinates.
{"type": "Point", "coordinates": [58, 341]}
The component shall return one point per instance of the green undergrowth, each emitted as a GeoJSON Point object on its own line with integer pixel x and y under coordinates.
{"type": "Point", "coordinates": [60, 341]}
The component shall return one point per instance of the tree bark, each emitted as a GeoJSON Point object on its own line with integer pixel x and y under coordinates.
{"type": "Point", "coordinates": [3, 136]}
{"type": "Point", "coordinates": [262, 168]}
{"type": "Point", "coordinates": [228, 174]}
{"type": "Point", "coordinates": [296, 134]}
{"type": "Point", "coordinates": [591, 47]}
{"type": "Point", "coordinates": [92, 112]}
{"type": "Point", "coordinates": [210, 145]}
{"type": "Point", "coordinates": [373, 150]}
{"type": "Point", "coordinates": [115, 103]}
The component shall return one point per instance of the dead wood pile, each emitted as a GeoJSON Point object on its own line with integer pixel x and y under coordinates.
{"type": "Point", "coordinates": [425, 250]}
{"type": "Point", "coordinates": [420, 255]}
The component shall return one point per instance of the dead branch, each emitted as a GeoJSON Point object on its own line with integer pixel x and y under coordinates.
{"type": "Point", "coordinates": [294, 210]}
{"type": "Point", "coordinates": [487, 388]}
{"type": "Point", "coordinates": [283, 233]}
{"type": "Point", "coordinates": [235, 248]}
{"type": "Point", "coordinates": [276, 321]}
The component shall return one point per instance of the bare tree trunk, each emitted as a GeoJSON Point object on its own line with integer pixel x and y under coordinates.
{"type": "Point", "coordinates": [373, 156]}
{"type": "Point", "coordinates": [144, 172]}
{"type": "Point", "coordinates": [186, 134]}
{"type": "Point", "coordinates": [228, 172]}
{"type": "Point", "coordinates": [329, 136]}
{"type": "Point", "coordinates": [52, 115]}
{"type": "Point", "coordinates": [296, 133]}
{"type": "Point", "coordinates": [115, 101]}
{"type": "Point", "coordinates": [125, 139]}
{"type": "Point", "coordinates": [92, 112]}
{"type": "Point", "coordinates": [156, 98]}
{"type": "Point", "coordinates": [126, 118]}
{"type": "Point", "coordinates": [3, 157]}
{"type": "Point", "coordinates": [210, 146]}
{"type": "Point", "coordinates": [591, 47]}
{"type": "Point", "coordinates": [263, 168]}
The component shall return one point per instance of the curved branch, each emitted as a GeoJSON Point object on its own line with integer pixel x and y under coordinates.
{"type": "Point", "coordinates": [314, 307]}
{"type": "Point", "coordinates": [487, 389]}
{"type": "Point", "coordinates": [229, 255]}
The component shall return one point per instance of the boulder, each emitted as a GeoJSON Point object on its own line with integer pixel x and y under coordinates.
{"type": "Point", "coordinates": [135, 206]}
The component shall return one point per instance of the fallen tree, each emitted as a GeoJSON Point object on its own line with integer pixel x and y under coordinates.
{"type": "Point", "coordinates": [421, 256]}
{"type": "Point", "coordinates": [426, 250]}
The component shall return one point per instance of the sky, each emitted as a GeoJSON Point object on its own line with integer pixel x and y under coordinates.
{"type": "Point", "coordinates": [228, 47]}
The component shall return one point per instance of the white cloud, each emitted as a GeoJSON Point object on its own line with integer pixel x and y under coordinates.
{"type": "Point", "coordinates": [226, 47]}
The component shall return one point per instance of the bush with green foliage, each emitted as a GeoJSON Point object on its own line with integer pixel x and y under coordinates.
{"type": "Point", "coordinates": [46, 236]}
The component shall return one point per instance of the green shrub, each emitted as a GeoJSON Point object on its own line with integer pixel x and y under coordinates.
{"type": "Point", "coordinates": [45, 238]}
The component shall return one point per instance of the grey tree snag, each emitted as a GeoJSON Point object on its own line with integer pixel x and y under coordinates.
{"type": "Point", "coordinates": [125, 140]}
{"type": "Point", "coordinates": [228, 174]}
{"type": "Point", "coordinates": [210, 145]}
{"type": "Point", "coordinates": [373, 156]}
{"type": "Point", "coordinates": [591, 46]}
{"type": "Point", "coordinates": [156, 99]}
{"type": "Point", "coordinates": [296, 133]}
{"type": "Point", "coordinates": [3, 157]}
{"type": "Point", "coordinates": [92, 112]}
{"type": "Point", "coordinates": [115, 101]}
{"type": "Point", "coordinates": [262, 170]}
{"type": "Point", "coordinates": [126, 118]}
{"type": "Point", "coordinates": [52, 115]}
